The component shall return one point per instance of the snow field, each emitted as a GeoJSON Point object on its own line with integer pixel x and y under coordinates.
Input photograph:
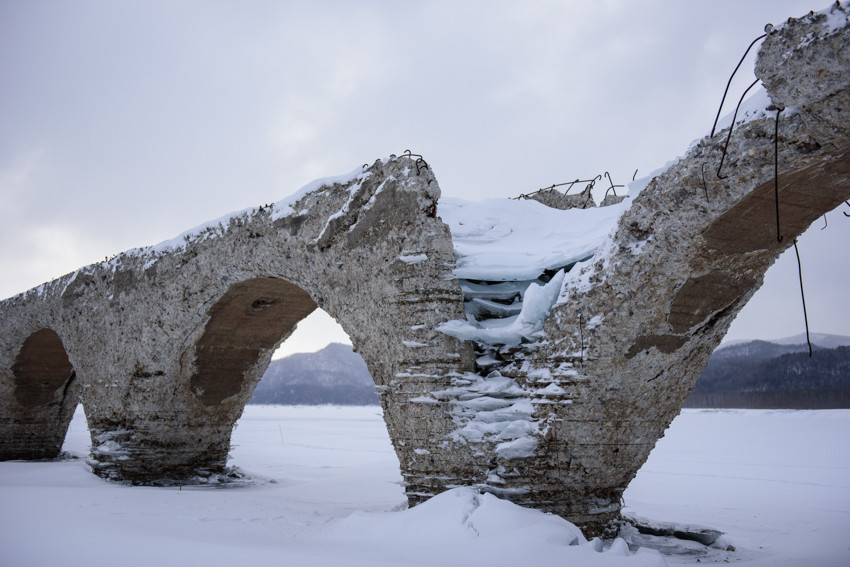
{"type": "Point", "coordinates": [327, 491]}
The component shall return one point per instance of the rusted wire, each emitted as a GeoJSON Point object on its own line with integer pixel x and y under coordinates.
{"type": "Point", "coordinates": [728, 83]}
{"type": "Point", "coordinates": [803, 296]}
{"type": "Point", "coordinates": [420, 162]}
{"type": "Point", "coordinates": [776, 174]}
{"type": "Point", "coordinates": [845, 212]}
{"type": "Point", "coordinates": [589, 189]}
{"type": "Point", "coordinates": [779, 237]}
{"type": "Point", "coordinates": [732, 127]}
{"type": "Point", "coordinates": [825, 223]}
{"type": "Point", "coordinates": [612, 187]}
{"type": "Point", "coordinates": [589, 184]}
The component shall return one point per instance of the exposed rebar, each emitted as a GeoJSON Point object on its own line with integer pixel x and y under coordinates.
{"type": "Point", "coordinates": [729, 82]}
{"type": "Point", "coordinates": [732, 127]}
{"type": "Point", "coordinates": [803, 296]}
{"type": "Point", "coordinates": [776, 175]}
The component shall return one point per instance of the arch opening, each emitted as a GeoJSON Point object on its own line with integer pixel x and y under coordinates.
{"type": "Point", "coordinates": [247, 322]}
{"type": "Point", "coordinates": [77, 440]}
{"type": "Point", "coordinates": [313, 333]}
{"type": "Point", "coordinates": [42, 370]}
{"type": "Point", "coordinates": [317, 365]}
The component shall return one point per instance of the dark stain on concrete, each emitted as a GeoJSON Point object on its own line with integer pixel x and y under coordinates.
{"type": "Point", "coordinates": [664, 343]}
{"type": "Point", "coordinates": [41, 368]}
{"type": "Point", "coordinates": [750, 225]}
{"type": "Point", "coordinates": [250, 317]}
{"type": "Point", "coordinates": [701, 296]}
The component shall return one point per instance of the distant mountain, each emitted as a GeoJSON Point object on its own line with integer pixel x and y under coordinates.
{"type": "Point", "coordinates": [777, 374]}
{"type": "Point", "coordinates": [334, 375]}
{"type": "Point", "coordinates": [757, 350]}
{"type": "Point", "coordinates": [744, 374]}
{"type": "Point", "coordinates": [822, 340]}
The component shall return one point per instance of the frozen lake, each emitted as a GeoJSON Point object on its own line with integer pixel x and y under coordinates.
{"type": "Point", "coordinates": [327, 491]}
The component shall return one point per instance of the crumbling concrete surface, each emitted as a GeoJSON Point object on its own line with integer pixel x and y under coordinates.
{"type": "Point", "coordinates": [164, 345]}
{"type": "Point", "coordinates": [167, 343]}
{"type": "Point", "coordinates": [636, 325]}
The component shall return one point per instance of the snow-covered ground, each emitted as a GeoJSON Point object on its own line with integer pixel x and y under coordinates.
{"type": "Point", "coordinates": [326, 491]}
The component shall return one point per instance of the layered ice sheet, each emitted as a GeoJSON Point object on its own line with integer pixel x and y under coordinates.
{"type": "Point", "coordinates": [511, 240]}
{"type": "Point", "coordinates": [511, 257]}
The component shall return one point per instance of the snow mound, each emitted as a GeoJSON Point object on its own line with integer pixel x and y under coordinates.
{"type": "Point", "coordinates": [464, 527]}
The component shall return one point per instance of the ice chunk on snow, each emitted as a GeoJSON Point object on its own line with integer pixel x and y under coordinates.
{"type": "Point", "coordinates": [462, 526]}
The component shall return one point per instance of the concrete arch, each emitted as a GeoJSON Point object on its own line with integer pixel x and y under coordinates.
{"type": "Point", "coordinates": [185, 329]}
{"type": "Point", "coordinates": [45, 395]}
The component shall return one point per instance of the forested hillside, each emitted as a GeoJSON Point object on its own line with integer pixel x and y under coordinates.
{"type": "Point", "coordinates": [754, 374]}
{"type": "Point", "coordinates": [761, 374]}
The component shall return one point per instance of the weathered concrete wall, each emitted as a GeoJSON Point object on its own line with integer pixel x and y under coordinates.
{"type": "Point", "coordinates": [636, 326]}
{"type": "Point", "coordinates": [166, 344]}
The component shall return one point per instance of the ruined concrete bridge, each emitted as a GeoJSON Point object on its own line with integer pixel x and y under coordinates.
{"type": "Point", "coordinates": [164, 345]}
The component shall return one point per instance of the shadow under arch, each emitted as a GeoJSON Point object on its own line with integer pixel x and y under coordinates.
{"type": "Point", "coordinates": [245, 326]}
{"type": "Point", "coordinates": [46, 394]}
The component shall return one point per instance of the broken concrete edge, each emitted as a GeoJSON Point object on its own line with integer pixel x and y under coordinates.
{"type": "Point", "coordinates": [471, 389]}
{"type": "Point", "coordinates": [791, 46]}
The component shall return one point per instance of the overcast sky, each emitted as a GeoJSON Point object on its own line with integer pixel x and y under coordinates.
{"type": "Point", "coordinates": [123, 124]}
